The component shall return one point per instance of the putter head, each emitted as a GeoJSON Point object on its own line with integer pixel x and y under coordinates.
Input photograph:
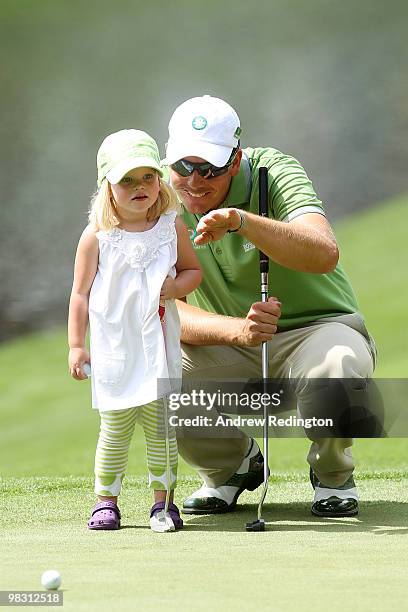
{"type": "Point", "coordinates": [161, 522]}
{"type": "Point", "coordinates": [258, 525]}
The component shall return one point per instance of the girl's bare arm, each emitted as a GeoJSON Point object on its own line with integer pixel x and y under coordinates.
{"type": "Point", "coordinates": [187, 267]}
{"type": "Point", "coordinates": [86, 263]}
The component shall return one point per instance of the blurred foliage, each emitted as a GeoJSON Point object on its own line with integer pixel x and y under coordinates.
{"type": "Point", "coordinates": [322, 80]}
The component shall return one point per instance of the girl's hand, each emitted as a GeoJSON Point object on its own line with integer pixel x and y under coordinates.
{"type": "Point", "coordinates": [76, 359]}
{"type": "Point", "coordinates": [169, 289]}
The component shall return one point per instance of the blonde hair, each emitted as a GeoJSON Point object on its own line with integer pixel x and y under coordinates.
{"type": "Point", "coordinates": [102, 214]}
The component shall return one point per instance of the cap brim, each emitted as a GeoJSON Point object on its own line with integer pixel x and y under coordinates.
{"type": "Point", "coordinates": [212, 153]}
{"type": "Point", "coordinates": [118, 172]}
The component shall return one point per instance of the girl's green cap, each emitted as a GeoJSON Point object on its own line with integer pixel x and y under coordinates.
{"type": "Point", "coordinates": [122, 151]}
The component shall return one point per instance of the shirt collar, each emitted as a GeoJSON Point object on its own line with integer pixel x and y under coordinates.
{"type": "Point", "coordinates": [240, 188]}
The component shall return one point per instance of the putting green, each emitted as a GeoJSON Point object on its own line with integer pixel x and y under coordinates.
{"type": "Point", "coordinates": [299, 563]}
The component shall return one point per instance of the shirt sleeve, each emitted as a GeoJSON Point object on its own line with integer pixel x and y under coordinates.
{"type": "Point", "coordinates": [291, 192]}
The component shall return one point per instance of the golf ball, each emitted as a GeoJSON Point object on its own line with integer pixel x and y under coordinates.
{"type": "Point", "coordinates": [51, 579]}
{"type": "Point", "coordinates": [87, 369]}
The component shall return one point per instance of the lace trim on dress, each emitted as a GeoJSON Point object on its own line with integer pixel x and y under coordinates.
{"type": "Point", "coordinates": [141, 248]}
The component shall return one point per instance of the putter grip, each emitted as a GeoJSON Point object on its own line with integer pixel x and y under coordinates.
{"type": "Point", "coordinates": [263, 212]}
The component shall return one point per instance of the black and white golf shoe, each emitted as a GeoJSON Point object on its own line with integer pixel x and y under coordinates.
{"type": "Point", "coordinates": [334, 501]}
{"type": "Point", "coordinates": [249, 476]}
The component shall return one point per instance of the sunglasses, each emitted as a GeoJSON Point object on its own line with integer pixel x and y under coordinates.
{"type": "Point", "coordinates": [205, 169]}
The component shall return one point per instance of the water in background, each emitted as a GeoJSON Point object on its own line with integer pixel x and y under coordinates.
{"type": "Point", "coordinates": [321, 80]}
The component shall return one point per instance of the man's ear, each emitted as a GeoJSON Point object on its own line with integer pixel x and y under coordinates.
{"type": "Point", "coordinates": [234, 168]}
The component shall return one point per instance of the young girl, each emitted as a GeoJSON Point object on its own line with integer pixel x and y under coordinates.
{"type": "Point", "coordinates": [134, 257]}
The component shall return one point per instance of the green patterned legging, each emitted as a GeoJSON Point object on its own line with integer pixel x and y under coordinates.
{"type": "Point", "coordinates": [116, 432]}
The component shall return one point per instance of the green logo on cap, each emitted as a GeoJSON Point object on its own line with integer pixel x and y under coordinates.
{"type": "Point", "coordinates": [199, 122]}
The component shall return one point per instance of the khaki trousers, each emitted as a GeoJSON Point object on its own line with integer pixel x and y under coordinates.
{"type": "Point", "coordinates": [338, 347]}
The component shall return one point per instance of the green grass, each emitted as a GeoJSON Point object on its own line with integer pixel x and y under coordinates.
{"type": "Point", "coordinates": [297, 564]}
{"type": "Point", "coordinates": [373, 247]}
{"type": "Point", "coordinates": [48, 437]}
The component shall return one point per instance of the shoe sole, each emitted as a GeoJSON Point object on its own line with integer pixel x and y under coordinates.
{"type": "Point", "coordinates": [216, 511]}
{"type": "Point", "coordinates": [337, 515]}
{"type": "Point", "coordinates": [103, 527]}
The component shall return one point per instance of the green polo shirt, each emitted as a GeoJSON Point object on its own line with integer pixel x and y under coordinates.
{"type": "Point", "coordinates": [231, 279]}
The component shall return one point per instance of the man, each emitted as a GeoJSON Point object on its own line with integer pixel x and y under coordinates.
{"type": "Point", "coordinates": [314, 330]}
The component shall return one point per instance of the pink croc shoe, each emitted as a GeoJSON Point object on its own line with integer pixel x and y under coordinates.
{"type": "Point", "coordinates": [105, 515]}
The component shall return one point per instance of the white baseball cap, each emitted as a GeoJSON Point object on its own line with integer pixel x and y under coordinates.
{"type": "Point", "coordinates": [203, 127]}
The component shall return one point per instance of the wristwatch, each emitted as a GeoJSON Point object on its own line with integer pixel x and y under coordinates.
{"type": "Point", "coordinates": [241, 225]}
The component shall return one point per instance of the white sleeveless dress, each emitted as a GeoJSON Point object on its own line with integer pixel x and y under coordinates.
{"type": "Point", "coordinates": [132, 363]}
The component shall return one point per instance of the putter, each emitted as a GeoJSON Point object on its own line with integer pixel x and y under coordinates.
{"type": "Point", "coordinates": [162, 521]}
{"type": "Point", "coordinates": [259, 524]}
